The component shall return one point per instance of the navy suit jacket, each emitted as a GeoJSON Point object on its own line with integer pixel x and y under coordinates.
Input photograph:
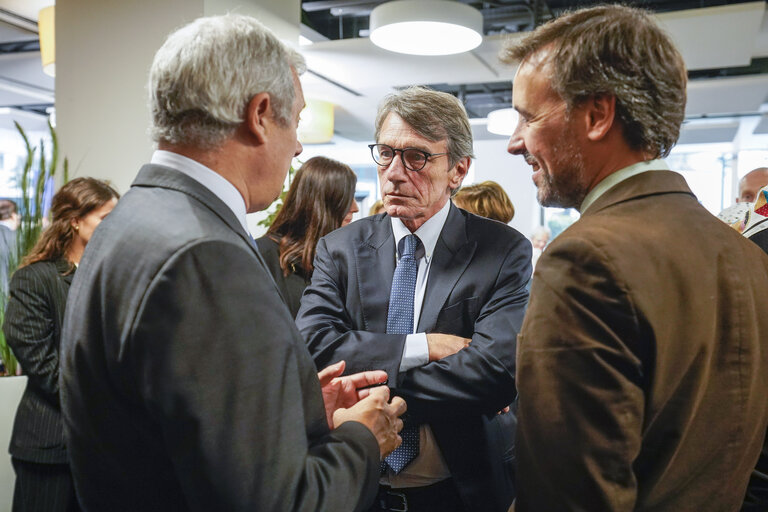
{"type": "Point", "coordinates": [476, 289]}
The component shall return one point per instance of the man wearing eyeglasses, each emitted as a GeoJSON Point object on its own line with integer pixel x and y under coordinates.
{"type": "Point", "coordinates": [434, 296]}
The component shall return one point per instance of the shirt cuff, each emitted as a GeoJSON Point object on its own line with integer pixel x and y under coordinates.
{"type": "Point", "coordinates": [416, 352]}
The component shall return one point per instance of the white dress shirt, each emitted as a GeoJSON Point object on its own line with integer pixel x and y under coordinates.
{"type": "Point", "coordinates": [428, 467]}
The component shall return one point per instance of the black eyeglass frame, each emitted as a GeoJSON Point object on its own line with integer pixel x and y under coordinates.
{"type": "Point", "coordinates": [402, 151]}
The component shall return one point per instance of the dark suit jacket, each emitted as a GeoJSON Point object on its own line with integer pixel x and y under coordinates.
{"type": "Point", "coordinates": [292, 286]}
{"type": "Point", "coordinates": [32, 327]}
{"type": "Point", "coordinates": [185, 384]}
{"type": "Point", "coordinates": [642, 359]}
{"type": "Point", "coordinates": [476, 289]}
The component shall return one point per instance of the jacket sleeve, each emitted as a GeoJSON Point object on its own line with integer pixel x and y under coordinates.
{"type": "Point", "coordinates": [581, 404]}
{"type": "Point", "coordinates": [330, 332]}
{"type": "Point", "coordinates": [29, 329]}
{"type": "Point", "coordinates": [480, 378]}
{"type": "Point", "coordinates": [223, 372]}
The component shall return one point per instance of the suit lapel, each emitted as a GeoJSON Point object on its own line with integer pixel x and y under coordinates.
{"type": "Point", "coordinates": [375, 267]}
{"type": "Point", "coordinates": [452, 255]}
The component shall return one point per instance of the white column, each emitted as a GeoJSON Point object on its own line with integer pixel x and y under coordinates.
{"type": "Point", "coordinates": [104, 49]}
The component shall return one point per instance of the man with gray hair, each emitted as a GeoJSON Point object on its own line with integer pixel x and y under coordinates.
{"type": "Point", "coordinates": [434, 296]}
{"type": "Point", "coordinates": [185, 384]}
{"type": "Point", "coordinates": [642, 366]}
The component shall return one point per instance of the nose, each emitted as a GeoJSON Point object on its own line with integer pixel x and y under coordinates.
{"type": "Point", "coordinates": [395, 171]}
{"type": "Point", "coordinates": [516, 145]}
{"type": "Point", "coordinates": [355, 207]}
{"type": "Point", "coordinates": [299, 148]}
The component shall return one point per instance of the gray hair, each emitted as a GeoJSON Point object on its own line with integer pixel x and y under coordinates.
{"type": "Point", "coordinates": [434, 115]}
{"type": "Point", "coordinates": [618, 51]}
{"type": "Point", "coordinates": [204, 75]}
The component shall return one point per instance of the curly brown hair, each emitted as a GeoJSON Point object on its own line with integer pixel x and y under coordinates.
{"type": "Point", "coordinates": [75, 200]}
{"type": "Point", "coordinates": [486, 199]}
{"type": "Point", "coordinates": [618, 51]}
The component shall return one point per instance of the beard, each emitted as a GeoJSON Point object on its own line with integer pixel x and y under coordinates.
{"type": "Point", "coordinates": [566, 186]}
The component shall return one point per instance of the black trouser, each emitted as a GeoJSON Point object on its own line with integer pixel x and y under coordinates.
{"type": "Point", "coordinates": [440, 497]}
{"type": "Point", "coordinates": [43, 488]}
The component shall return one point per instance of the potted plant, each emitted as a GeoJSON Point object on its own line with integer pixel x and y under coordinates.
{"type": "Point", "coordinates": [36, 185]}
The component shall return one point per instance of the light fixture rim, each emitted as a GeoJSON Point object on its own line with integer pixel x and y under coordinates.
{"type": "Point", "coordinates": [429, 11]}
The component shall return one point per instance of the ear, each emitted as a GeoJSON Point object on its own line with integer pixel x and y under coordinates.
{"type": "Point", "coordinates": [257, 113]}
{"type": "Point", "coordinates": [461, 168]}
{"type": "Point", "coordinates": [600, 112]}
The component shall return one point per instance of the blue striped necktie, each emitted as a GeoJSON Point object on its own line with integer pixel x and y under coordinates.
{"type": "Point", "coordinates": [400, 321]}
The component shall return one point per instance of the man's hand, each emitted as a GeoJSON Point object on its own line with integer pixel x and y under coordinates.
{"type": "Point", "coordinates": [444, 345]}
{"type": "Point", "coordinates": [344, 392]}
{"type": "Point", "coordinates": [381, 418]}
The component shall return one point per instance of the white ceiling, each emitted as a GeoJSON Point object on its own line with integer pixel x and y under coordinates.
{"type": "Point", "coordinates": [355, 75]}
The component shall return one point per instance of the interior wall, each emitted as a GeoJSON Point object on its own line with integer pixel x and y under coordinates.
{"type": "Point", "coordinates": [104, 49]}
{"type": "Point", "coordinates": [492, 162]}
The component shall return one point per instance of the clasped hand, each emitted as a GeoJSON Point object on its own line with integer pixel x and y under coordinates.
{"type": "Point", "coordinates": [350, 398]}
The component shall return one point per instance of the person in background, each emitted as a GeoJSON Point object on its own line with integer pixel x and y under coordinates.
{"type": "Point", "coordinates": [486, 199]}
{"type": "Point", "coordinates": [642, 366]}
{"type": "Point", "coordinates": [377, 208]}
{"type": "Point", "coordinates": [750, 183]}
{"type": "Point", "coordinates": [185, 384]}
{"type": "Point", "coordinates": [9, 214]}
{"type": "Point", "coordinates": [539, 240]}
{"type": "Point", "coordinates": [756, 230]}
{"type": "Point", "coordinates": [321, 198]}
{"type": "Point", "coordinates": [32, 327]}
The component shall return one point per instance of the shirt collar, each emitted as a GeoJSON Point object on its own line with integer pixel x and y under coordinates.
{"type": "Point", "coordinates": [617, 177]}
{"type": "Point", "coordinates": [208, 178]}
{"type": "Point", "coordinates": [428, 233]}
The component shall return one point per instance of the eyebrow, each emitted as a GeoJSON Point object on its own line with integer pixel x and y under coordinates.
{"type": "Point", "coordinates": [522, 111]}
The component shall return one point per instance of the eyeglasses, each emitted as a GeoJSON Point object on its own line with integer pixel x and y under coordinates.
{"type": "Point", "coordinates": [413, 159]}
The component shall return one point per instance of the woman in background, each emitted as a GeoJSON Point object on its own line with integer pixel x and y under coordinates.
{"type": "Point", "coordinates": [377, 208]}
{"type": "Point", "coordinates": [486, 199]}
{"type": "Point", "coordinates": [321, 198]}
{"type": "Point", "coordinates": [32, 327]}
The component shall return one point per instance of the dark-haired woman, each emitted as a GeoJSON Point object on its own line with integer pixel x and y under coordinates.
{"type": "Point", "coordinates": [321, 198]}
{"type": "Point", "coordinates": [32, 327]}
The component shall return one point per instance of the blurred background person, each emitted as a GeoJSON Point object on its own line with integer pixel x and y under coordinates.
{"type": "Point", "coordinates": [539, 240]}
{"type": "Point", "coordinates": [9, 214]}
{"type": "Point", "coordinates": [756, 498]}
{"type": "Point", "coordinates": [32, 327]}
{"type": "Point", "coordinates": [321, 198]}
{"type": "Point", "coordinates": [377, 208]}
{"type": "Point", "coordinates": [9, 221]}
{"type": "Point", "coordinates": [486, 199]}
{"type": "Point", "coordinates": [750, 183]}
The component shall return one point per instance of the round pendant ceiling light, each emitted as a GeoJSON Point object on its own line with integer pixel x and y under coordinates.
{"type": "Point", "coordinates": [502, 121]}
{"type": "Point", "coordinates": [426, 27]}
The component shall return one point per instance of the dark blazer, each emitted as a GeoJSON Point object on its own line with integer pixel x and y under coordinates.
{"type": "Point", "coordinates": [292, 286]}
{"type": "Point", "coordinates": [476, 289]}
{"type": "Point", "coordinates": [32, 327]}
{"type": "Point", "coordinates": [185, 384]}
{"type": "Point", "coordinates": [642, 359]}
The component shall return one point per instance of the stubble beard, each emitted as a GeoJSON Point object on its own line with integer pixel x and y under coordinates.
{"type": "Point", "coordinates": [565, 187]}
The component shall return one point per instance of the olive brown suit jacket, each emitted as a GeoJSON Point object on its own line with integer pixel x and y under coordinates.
{"type": "Point", "coordinates": [643, 358]}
